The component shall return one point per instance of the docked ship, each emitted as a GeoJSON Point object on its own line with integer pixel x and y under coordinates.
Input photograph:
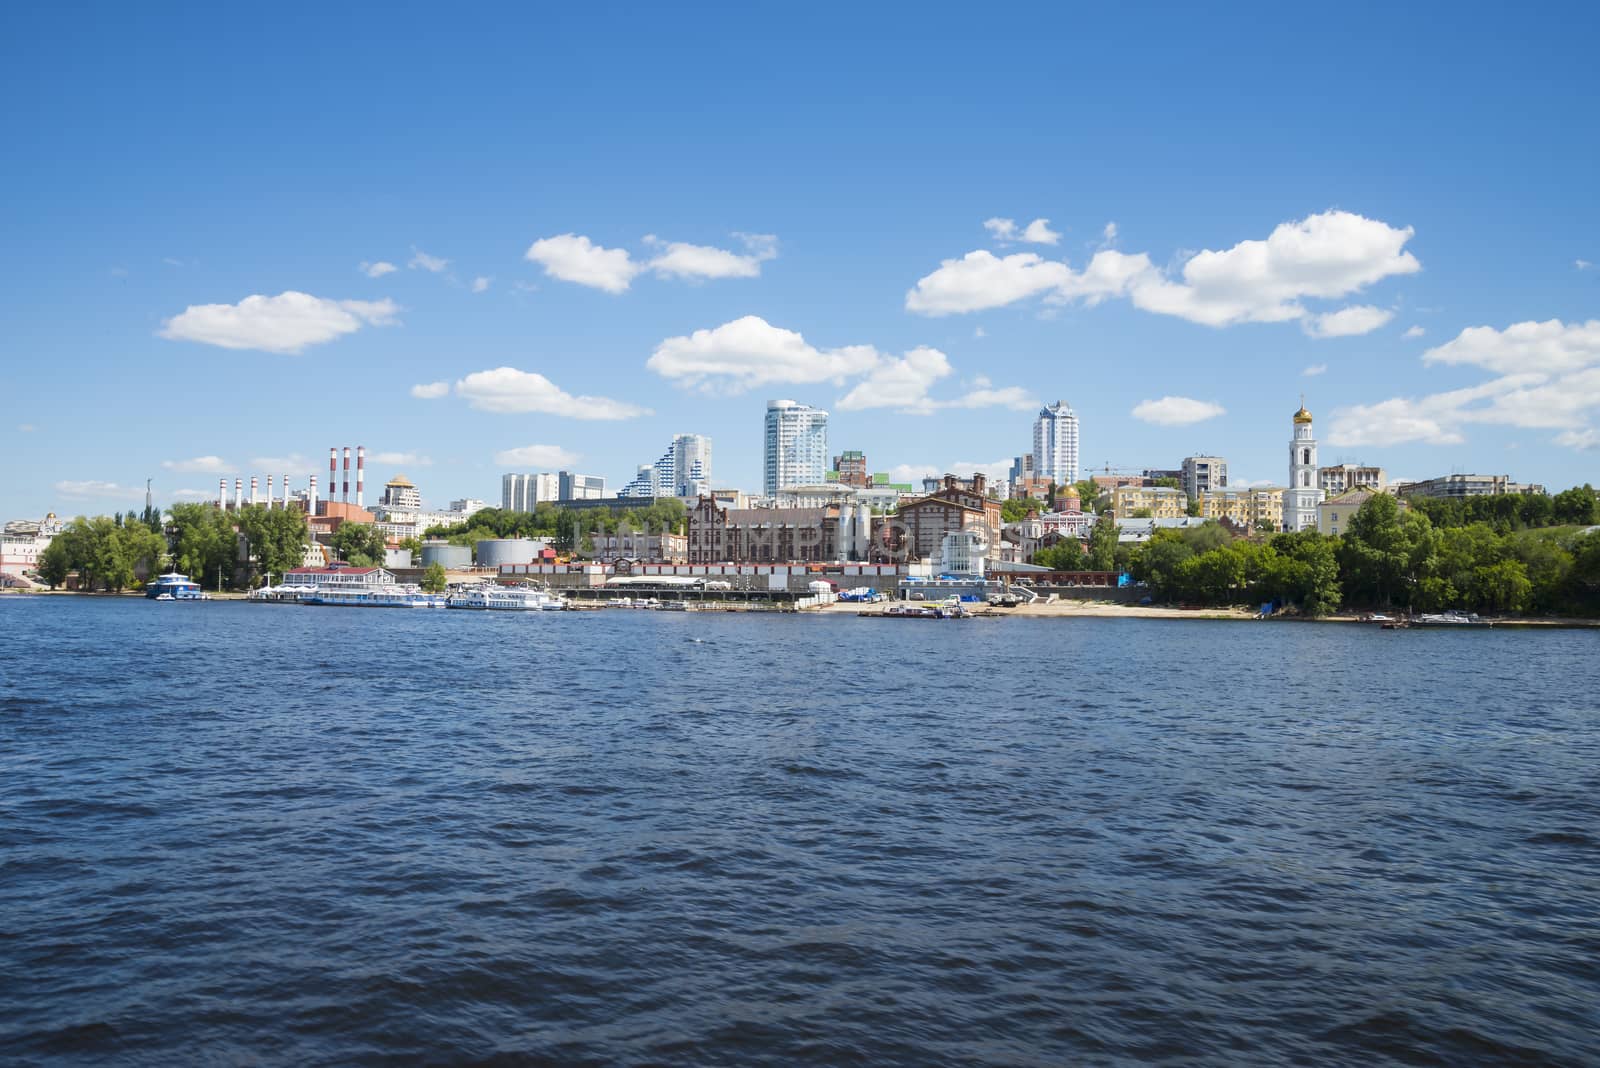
{"type": "Point", "coordinates": [508, 599]}
{"type": "Point", "coordinates": [406, 596]}
{"type": "Point", "coordinates": [174, 587]}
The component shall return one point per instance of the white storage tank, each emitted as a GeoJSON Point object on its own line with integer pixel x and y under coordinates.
{"type": "Point", "coordinates": [497, 552]}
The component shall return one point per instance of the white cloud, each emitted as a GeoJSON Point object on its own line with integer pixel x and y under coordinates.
{"type": "Point", "coordinates": [286, 323]}
{"type": "Point", "coordinates": [378, 269]}
{"type": "Point", "coordinates": [915, 473]}
{"type": "Point", "coordinates": [1315, 369]}
{"type": "Point", "coordinates": [1582, 265]}
{"type": "Point", "coordinates": [1323, 256]}
{"type": "Point", "coordinates": [1413, 331]}
{"type": "Point", "coordinates": [211, 465]}
{"type": "Point", "coordinates": [574, 258]}
{"type": "Point", "coordinates": [1176, 411]}
{"type": "Point", "coordinates": [1587, 438]}
{"type": "Point", "coordinates": [979, 332]}
{"type": "Point", "coordinates": [1353, 321]}
{"type": "Point", "coordinates": [1038, 232]}
{"type": "Point", "coordinates": [401, 459]}
{"type": "Point", "coordinates": [194, 494]}
{"type": "Point", "coordinates": [1109, 234]}
{"type": "Point", "coordinates": [293, 462]}
{"type": "Point", "coordinates": [480, 283]}
{"type": "Point", "coordinates": [421, 260]}
{"type": "Point", "coordinates": [508, 390]}
{"type": "Point", "coordinates": [536, 456]}
{"type": "Point", "coordinates": [981, 280]}
{"type": "Point", "coordinates": [1547, 376]}
{"type": "Point", "coordinates": [900, 383]}
{"type": "Point", "coordinates": [96, 488]}
{"type": "Point", "coordinates": [750, 352]}
{"type": "Point", "coordinates": [1001, 229]}
{"type": "Point", "coordinates": [1552, 346]}
{"type": "Point", "coordinates": [430, 390]}
{"type": "Point", "coordinates": [683, 260]}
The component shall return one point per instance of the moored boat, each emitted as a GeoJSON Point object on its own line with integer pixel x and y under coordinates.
{"type": "Point", "coordinates": [508, 599]}
{"type": "Point", "coordinates": [1452, 618]}
{"type": "Point", "coordinates": [407, 596]}
{"type": "Point", "coordinates": [174, 587]}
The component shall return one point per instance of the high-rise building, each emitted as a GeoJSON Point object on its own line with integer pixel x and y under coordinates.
{"type": "Point", "coordinates": [851, 467]}
{"type": "Point", "coordinates": [684, 470]}
{"type": "Point", "coordinates": [1303, 495]}
{"type": "Point", "coordinates": [1203, 474]}
{"type": "Point", "coordinates": [573, 487]}
{"type": "Point", "coordinates": [517, 493]}
{"type": "Point", "coordinates": [796, 452]}
{"type": "Point", "coordinates": [1055, 443]}
{"type": "Point", "coordinates": [399, 492]}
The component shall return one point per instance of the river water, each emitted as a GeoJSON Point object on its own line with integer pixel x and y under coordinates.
{"type": "Point", "coordinates": [253, 834]}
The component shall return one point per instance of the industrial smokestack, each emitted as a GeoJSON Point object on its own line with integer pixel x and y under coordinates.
{"type": "Point", "coordinates": [361, 473]}
{"type": "Point", "coordinates": [346, 496]}
{"type": "Point", "coordinates": [286, 489]}
{"type": "Point", "coordinates": [222, 493]}
{"type": "Point", "coordinates": [269, 491]}
{"type": "Point", "coordinates": [238, 494]}
{"type": "Point", "coordinates": [311, 497]}
{"type": "Point", "coordinates": [253, 486]}
{"type": "Point", "coordinates": [333, 472]}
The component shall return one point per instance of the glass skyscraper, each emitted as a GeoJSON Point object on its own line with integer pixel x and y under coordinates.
{"type": "Point", "coordinates": [796, 446]}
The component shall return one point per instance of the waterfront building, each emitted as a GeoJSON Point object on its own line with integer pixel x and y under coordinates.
{"type": "Point", "coordinates": [850, 468]}
{"type": "Point", "coordinates": [917, 530]}
{"type": "Point", "coordinates": [339, 577]}
{"type": "Point", "coordinates": [964, 552]}
{"type": "Point", "coordinates": [1163, 502]}
{"type": "Point", "coordinates": [774, 535]}
{"type": "Point", "coordinates": [1138, 531]}
{"type": "Point", "coordinates": [1336, 479]}
{"type": "Point", "coordinates": [1455, 487]}
{"type": "Point", "coordinates": [24, 541]}
{"type": "Point", "coordinates": [795, 446]}
{"type": "Point", "coordinates": [1199, 475]}
{"type": "Point", "coordinates": [1302, 496]}
{"type": "Point", "coordinates": [399, 492]}
{"type": "Point", "coordinates": [667, 548]}
{"type": "Point", "coordinates": [1055, 443]}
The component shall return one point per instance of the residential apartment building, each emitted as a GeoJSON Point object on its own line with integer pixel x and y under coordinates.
{"type": "Point", "coordinates": [795, 446]}
{"type": "Point", "coordinates": [1202, 474]}
{"type": "Point", "coordinates": [1456, 486]}
{"type": "Point", "coordinates": [520, 493]}
{"type": "Point", "coordinates": [1341, 477]}
{"type": "Point", "coordinates": [1334, 514]}
{"type": "Point", "coordinates": [684, 470]}
{"type": "Point", "coordinates": [1055, 443]}
{"type": "Point", "coordinates": [720, 535]}
{"type": "Point", "coordinates": [1163, 502]}
{"type": "Point", "coordinates": [1259, 508]}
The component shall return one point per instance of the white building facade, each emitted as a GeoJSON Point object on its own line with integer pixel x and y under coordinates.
{"type": "Point", "coordinates": [1304, 494]}
{"type": "Point", "coordinates": [796, 446]}
{"type": "Point", "coordinates": [1055, 443]}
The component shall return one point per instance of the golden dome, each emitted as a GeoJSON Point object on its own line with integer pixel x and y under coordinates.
{"type": "Point", "coordinates": [1302, 416]}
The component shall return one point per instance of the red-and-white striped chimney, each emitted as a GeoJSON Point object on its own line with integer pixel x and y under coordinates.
{"type": "Point", "coordinates": [311, 497]}
{"type": "Point", "coordinates": [222, 493]}
{"type": "Point", "coordinates": [346, 495]}
{"type": "Point", "coordinates": [361, 474]}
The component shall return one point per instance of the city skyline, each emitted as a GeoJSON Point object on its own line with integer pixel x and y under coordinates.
{"type": "Point", "coordinates": [936, 284]}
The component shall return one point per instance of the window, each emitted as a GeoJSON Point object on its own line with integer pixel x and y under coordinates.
{"type": "Point", "coordinates": [1305, 456]}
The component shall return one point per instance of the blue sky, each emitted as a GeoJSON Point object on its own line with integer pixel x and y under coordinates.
{"type": "Point", "coordinates": [677, 215]}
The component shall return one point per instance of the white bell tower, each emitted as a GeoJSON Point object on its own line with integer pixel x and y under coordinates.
{"type": "Point", "coordinates": [1300, 500]}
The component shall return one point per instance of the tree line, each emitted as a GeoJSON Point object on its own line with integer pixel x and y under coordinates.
{"type": "Point", "coordinates": [568, 528]}
{"type": "Point", "coordinates": [1507, 555]}
{"type": "Point", "coordinates": [212, 546]}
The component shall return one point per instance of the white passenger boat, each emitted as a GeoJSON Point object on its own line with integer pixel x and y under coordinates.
{"type": "Point", "coordinates": [508, 599]}
{"type": "Point", "coordinates": [407, 596]}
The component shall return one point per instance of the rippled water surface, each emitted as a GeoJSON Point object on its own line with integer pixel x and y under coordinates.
{"type": "Point", "coordinates": [281, 835]}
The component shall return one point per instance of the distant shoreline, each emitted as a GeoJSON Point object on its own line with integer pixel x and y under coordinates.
{"type": "Point", "coordinates": [1067, 609]}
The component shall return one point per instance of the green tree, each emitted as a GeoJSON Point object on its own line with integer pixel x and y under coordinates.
{"type": "Point", "coordinates": [55, 562]}
{"type": "Point", "coordinates": [204, 543]}
{"type": "Point", "coordinates": [1306, 572]}
{"type": "Point", "coordinates": [1017, 509]}
{"type": "Point", "coordinates": [1577, 506]}
{"type": "Point", "coordinates": [276, 536]}
{"type": "Point", "coordinates": [359, 544]}
{"type": "Point", "coordinates": [1102, 553]}
{"type": "Point", "coordinates": [434, 579]}
{"type": "Point", "coordinates": [1384, 552]}
{"type": "Point", "coordinates": [1064, 555]}
{"type": "Point", "coordinates": [1166, 483]}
